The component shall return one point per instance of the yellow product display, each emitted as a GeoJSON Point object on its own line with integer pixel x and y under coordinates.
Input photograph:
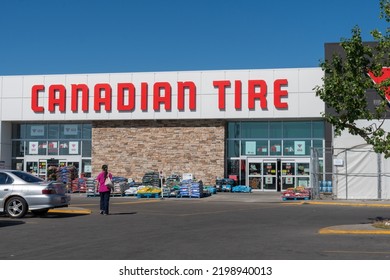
{"type": "Point", "coordinates": [148, 189]}
{"type": "Point", "coordinates": [297, 189]}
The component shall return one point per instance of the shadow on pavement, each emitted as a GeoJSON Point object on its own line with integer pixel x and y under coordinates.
{"type": "Point", "coordinates": [58, 215]}
{"type": "Point", "coordinates": [10, 223]}
{"type": "Point", "coordinates": [122, 213]}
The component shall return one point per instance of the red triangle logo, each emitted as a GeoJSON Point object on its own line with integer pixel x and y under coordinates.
{"type": "Point", "coordinates": [377, 80]}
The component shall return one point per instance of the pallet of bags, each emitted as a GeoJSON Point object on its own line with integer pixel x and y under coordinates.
{"type": "Point", "coordinates": [149, 192]}
{"type": "Point", "coordinates": [184, 189]}
{"type": "Point", "coordinates": [297, 193]}
{"type": "Point", "coordinates": [120, 185]}
{"type": "Point", "coordinates": [209, 190]}
{"type": "Point", "coordinates": [133, 189]}
{"type": "Point", "coordinates": [242, 188]}
{"type": "Point", "coordinates": [189, 188]}
{"type": "Point", "coordinates": [151, 179]}
{"type": "Point", "coordinates": [91, 187]}
{"type": "Point", "coordinates": [196, 190]}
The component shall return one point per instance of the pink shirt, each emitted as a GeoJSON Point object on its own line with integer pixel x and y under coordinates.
{"type": "Point", "coordinates": [100, 178]}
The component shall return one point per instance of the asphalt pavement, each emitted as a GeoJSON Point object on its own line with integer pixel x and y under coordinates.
{"type": "Point", "coordinates": [267, 197]}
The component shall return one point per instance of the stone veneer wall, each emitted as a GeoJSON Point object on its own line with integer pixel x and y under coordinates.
{"type": "Point", "coordinates": [131, 148]}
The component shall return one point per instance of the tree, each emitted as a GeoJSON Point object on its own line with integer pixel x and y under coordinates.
{"type": "Point", "coordinates": [350, 75]}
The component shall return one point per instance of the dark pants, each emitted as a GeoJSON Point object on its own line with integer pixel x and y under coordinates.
{"type": "Point", "coordinates": [104, 201]}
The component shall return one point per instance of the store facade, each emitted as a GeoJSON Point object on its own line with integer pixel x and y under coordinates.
{"type": "Point", "coordinates": [255, 126]}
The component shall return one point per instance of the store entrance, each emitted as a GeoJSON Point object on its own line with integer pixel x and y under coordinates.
{"type": "Point", "coordinates": [262, 174]}
{"type": "Point", "coordinates": [47, 168]}
{"type": "Point", "coordinates": [278, 174]}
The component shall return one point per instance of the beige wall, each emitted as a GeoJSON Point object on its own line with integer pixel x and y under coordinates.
{"type": "Point", "coordinates": [131, 148]}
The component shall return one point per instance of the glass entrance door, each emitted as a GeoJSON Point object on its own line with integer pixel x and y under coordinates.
{"type": "Point", "coordinates": [262, 174]}
{"type": "Point", "coordinates": [303, 173]}
{"type": "Point", "coordinates": [295, 172]}
{"type": "Point", "coordinates": [270, 175]}
{"type": "Point", "coordinates": [277, 174]}
{"type": "Point", "coordinates": [254, 171]}
{"type": "Point", "coordinates": [287, 174]}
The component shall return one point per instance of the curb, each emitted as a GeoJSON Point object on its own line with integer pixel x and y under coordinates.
{"type": "Point", "coordinates": [348, 204]}
{"type": "Point", "coordinates": [79, 211]}
{"type": "Point", "coordinates": [351, 230]}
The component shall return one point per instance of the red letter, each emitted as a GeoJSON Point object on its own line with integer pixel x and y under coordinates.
{"type": "Point", "coordinates": [129, 88]}
{"type": "Point", "coordinates": [144, 96]}
{"type": "Point", "coordinates": [221, 85]}
{"type": "Point", "coordinates": [98, 100]}
{"type": "Point", "coordinates": [53, 100]}
{"type": "Point", "coordinates": [181, 87]}
{"type": "Point", "coordinates": [34, 98]}
{"type": "Point", "coordinates": [158, 99]}
{"type": "Point", "coordinates": [279, 93]}
{"type": "Point", "coordinates": [261, 94]}
{"type": "Point", "coordinates": [237, 95]}
{"type": "Point", "coordinates": [84, 97]}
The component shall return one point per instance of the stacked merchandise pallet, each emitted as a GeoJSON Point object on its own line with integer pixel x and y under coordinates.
{"type": "Point", "coordinates": [189, 188]}
{"type": "Point", "coordinates": [66, 175]}
{"type": "Point", "coordinates": [242, 188]}
{"type": "Point", "coordinates": [91, 187]}
{"type": "Point", "coordinates": [148, 192]}
{"type": "Point", "coordinates": [297, 193]}
{"type": "Point", "coordinates": [224, 184]}
{"type": "Point", "coordinates": [79, 185]}
{"type": "Point", "coordinates": [120, 185]}
{"type": "Point", "coordinates": [151, 179]}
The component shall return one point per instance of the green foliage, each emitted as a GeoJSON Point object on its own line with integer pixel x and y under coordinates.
{"type": "Point", "coordinates": [346, 82]}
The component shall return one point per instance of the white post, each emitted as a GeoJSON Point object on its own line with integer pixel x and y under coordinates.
{"type": "Point", "coordinates": [161, 185]}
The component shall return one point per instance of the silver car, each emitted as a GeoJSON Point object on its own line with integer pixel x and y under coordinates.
{"type": "Point", "coordinates": [21, 192]}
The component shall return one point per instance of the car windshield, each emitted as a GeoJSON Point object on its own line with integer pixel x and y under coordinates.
{"type": "Point", "coordinates": [29, 178]}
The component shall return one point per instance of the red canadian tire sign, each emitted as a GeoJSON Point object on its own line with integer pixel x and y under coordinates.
{"type": "Point", "coordinates": [219, 94]}
{"type": "Point", "coordinates": [377, 80]}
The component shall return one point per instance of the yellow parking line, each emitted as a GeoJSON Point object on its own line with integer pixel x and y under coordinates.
{"type": "Point", "coordinates": [71, 211]}
{"type": "Point", "coordinates": [148, 200]}
{"type": "Point", "coordinates": [347, 204]}
{"type": "Point", "coordinates": [353, 231]}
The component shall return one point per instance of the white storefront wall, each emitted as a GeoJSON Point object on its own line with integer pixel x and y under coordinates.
{"type": "Point", "coordinates": [363, 173]}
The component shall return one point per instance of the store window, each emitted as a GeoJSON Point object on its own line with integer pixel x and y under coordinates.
{"type": "Point", "coordinates": [86, 131]}
{"type": "Point", "coordinates": [233, 148]}
{"type": "Point", "coordinates": [36, 131]}
{"type": "Point", "coordinates": [318, 130]}
{"type": "Point", "coordinates": [297, 130]}
{"type": "Point", "coordinates": [69, 148]}
{"type": "Point", "coordinates": [53, 132]}
{"type": "Point", "coordinates": [234, 130]}
{"type": "Point", "coordinates": [275, 148]}
{"type": "Point", "coordinates": [17, 148]}
{"type": "Point", "coordinates": [275, 130]}
{"type": "Point", "coordinates": [254, 148]}
{"type": "Point", "coordinates": [319, 146]}
{"type": "Point", "coordinates": [296, 147]}
{"type": "Point", "coordinates": [70, 131]}
{"type": "Point", "coordinates": [292, 138]}
{"type": "Point", "coordinates": [254, 129]}
{"type": "Point", "coordinates": [52, 148]}
{"type": "Point", "coordinates": [51, 139]}
{"type": "Point", "coordinates": [86, 148]}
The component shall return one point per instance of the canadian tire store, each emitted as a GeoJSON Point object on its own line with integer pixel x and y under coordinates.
{"type": "Point", "coordinates": [255, 126]}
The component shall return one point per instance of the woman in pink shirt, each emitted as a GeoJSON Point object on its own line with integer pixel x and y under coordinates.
{"type": "Point", "coordinates": [104, 191]}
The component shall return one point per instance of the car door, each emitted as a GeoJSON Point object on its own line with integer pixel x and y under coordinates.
{"type": "Point", "coordinates": [5, 188]}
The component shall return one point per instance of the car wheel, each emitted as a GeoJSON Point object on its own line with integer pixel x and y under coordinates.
{"type": "Point", "coordinates": [40, 212]}
{"type": "Point", "coordinates": [16, 207]}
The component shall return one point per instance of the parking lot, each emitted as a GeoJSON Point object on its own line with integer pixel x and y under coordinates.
{"type": "Point", "coordinates": [224, 226]}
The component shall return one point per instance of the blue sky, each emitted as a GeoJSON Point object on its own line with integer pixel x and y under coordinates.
{"type": "Point", "coordinates": [110, 36]}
